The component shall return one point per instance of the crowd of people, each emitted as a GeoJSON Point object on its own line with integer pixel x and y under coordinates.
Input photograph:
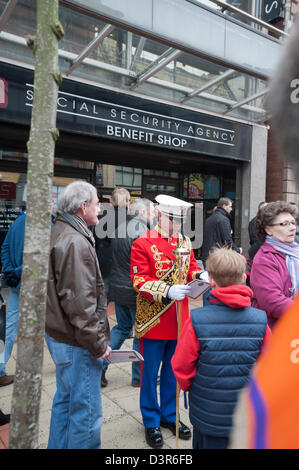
{"type": "Point", "coordinates": [209, 352]}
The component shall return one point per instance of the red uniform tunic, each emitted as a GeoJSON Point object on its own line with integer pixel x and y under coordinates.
{"type": "Point", "coordinates": [151, 258]}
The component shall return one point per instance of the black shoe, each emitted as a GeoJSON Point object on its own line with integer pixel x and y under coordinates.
{"type": "Point", "coordinates": [6, 380]}
{"type": "Point", "coordinates": [184, 431]}
{"type": "Point", "coordinates": [104, 381]}
{"type": "Point", "coordinates": [4, 419]}
{"type": "Point", "coordinates": [154, 437]}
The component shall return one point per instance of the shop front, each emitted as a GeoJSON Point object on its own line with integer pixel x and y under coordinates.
{"type": "Point", "coordinates": [120, 139]}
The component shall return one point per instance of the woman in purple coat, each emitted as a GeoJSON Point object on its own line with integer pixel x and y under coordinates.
{"type": "Point", "coordinates": [274, 276]}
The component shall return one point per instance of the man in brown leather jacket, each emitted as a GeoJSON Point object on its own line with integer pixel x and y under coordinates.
{"type": "Point", "coordinates": [77, 330]}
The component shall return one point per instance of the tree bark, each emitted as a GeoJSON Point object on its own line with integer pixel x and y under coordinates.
{"type": "Point", "coordinates": [33, 296]}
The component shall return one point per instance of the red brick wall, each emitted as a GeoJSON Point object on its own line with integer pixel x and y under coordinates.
{"type": "Point", "coordinates": [275, 171]}
{"type": "Point", "coordinates": [275, 164]}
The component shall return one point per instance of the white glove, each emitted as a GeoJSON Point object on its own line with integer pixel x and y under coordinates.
{"type": "Point", "coordinates": [178, 292]}
{"type": "Point", "coordinates": [204, 276]}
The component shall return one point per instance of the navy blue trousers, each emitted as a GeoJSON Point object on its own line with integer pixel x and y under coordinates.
{"type": "Point", "coordinates": [154, 352]}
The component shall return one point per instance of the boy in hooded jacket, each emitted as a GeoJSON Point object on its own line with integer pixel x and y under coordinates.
{"type": "Point", "coordinates": [218, 347]}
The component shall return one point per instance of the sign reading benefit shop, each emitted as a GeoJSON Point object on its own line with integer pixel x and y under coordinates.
{"type": "Point", "coordinates": [134, 123]}
{"type": "Point", "coordinates": [94, 111]}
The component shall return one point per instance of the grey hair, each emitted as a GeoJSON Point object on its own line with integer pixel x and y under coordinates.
{"type": "Point", "coordinates": [140, 204]}
{"type": "Point", "coordinates": [74, 195]}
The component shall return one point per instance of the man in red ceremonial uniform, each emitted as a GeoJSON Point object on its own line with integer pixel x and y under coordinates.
{"type": "Point", "coordinates": [155, 277]}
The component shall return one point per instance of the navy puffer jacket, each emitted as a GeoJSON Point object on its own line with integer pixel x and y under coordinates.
{"type": "Point", "coordinates": [230, 342]}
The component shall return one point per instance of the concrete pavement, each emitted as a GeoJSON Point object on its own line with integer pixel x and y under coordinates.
{"type": "Point", "coordinates": [122, 422]}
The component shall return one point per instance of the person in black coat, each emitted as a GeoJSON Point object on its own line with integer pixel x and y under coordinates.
{"type": "Point", "coordinates": [113, 214]}
{"type": "Point", "coordinates": [254, 242]}
{"type": "Point", "coordinates": [121, 290]}
{"type": "Point", "coordinates": [217, 230]}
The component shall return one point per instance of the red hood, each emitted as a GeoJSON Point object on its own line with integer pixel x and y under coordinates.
{"type": "Point", "coordinates": [233, 296]}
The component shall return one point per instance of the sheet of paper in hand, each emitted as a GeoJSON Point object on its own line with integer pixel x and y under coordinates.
{"type": "Point", "coordinates": [198, 288]}
{"type": "Point", "coordinates": [124, 355]}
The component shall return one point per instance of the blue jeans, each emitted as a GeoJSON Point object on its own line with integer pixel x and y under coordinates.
{"type": "Point", "coordinates": [12, 317]}
{"type": "Point", "coordinates": [125, 316]}
{"type": "Point", "coordinates": [76, 417]}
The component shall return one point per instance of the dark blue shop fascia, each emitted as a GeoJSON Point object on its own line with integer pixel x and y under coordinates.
{"type": "Point", "coordinates": [89, 110]}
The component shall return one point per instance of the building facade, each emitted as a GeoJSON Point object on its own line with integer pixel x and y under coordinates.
{"type": "Point", "coordinates": [145, 103]}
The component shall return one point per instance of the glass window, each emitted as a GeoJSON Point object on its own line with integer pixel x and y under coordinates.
{"type": "Point", "coordinates": [190, 71]}
{"type": "Point", "coordinates": [196, 186]}
{"type": "Point", "coordinates": [79, 30]}
{"type": "Point", "coordinates": [229, 187]}
{"type": "Point", "coordinates": [167, 174]}
{"type": "Point", "coordinates": [13, 156]}
{"type": "Point", "coordinates": [22, 19]}
{"type": "Point", "coordinates": [163, 188]}
{"type": "Point", "coordinates": [151, 51]}
{"type": "Point", "coordinates": [74, 163]}
{"type": "Point", "coordinates": [123, 55]}
{"type": "Point", "coordinates": [13, 197]}
{"type": "Point", "coordinates": [211, 187]}
{"type": "Point", "coordinates": [128, 177]}
{"type": "Point", "coordinates": [3, 4]}
{"type": "Point", "coordinates": [22, 157]}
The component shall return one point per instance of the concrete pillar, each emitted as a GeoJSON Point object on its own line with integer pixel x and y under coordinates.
{"type": "Point", "coordinates": [253, 181]}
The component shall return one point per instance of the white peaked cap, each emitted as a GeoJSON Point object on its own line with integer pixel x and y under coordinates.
{"type": "Point", "coordinates": [172, 206]}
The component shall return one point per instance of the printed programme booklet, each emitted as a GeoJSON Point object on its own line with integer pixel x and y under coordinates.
{"type": "Point", "coordinates": [124, 355]}
{"type": "Point", "coordinates": [198, 288]}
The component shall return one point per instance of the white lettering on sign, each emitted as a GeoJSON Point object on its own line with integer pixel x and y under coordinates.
{"type": "Point", "coordinates": [135, 124]}
{"type": "Point", "coordinates": [171, 141]}
{"type": "Point", "coordinates": [132, 134]}
{"type": "Point", "coordinates": [270, 6]}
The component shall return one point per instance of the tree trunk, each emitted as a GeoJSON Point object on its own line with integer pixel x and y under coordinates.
{"type": "Point", "coordinates": [41, 145]}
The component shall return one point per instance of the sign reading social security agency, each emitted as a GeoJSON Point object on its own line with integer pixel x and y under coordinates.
{"type": "Point", "coordinates": [94, 111]}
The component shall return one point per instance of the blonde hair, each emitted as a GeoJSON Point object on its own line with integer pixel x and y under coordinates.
{"type": "Point", "coordinates": [226, 266]}
{"type": "Point", "coordinates": [120, 197]}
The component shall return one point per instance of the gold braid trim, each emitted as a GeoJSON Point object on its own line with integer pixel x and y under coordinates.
{"type": "Point", "coordinates": [148, 311]}
{"type": "Point", "coordinates": [194, 274]}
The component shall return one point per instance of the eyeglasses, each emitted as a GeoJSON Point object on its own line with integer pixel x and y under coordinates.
{"type": "Point", "coordinates": [286, 224]}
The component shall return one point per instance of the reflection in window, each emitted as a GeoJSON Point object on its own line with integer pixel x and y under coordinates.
{"type": "Point", "coordinates": [128, 177]}
{"type": "Point", "coordinates": [229, 187]}
{"type": "Point", "coordinates": [22, 157]}
{"type": "Point", "coordinates": [195, 186]}
{"type": "Point", "coordinates": [74, 163]}
{"type": "Point", "coordinates": [166, 174]}
{"type": "Point", "coordinates": [211, 187]}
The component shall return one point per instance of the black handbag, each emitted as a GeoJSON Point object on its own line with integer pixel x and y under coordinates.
{"type": "Point", "coordinates": [2, 325]}
{"type": "Point", "coordinates": [10, 278]}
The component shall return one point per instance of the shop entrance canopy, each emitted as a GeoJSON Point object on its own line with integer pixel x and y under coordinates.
{"type": "Point", "coordinates": [187, 52]}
